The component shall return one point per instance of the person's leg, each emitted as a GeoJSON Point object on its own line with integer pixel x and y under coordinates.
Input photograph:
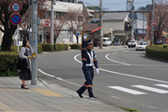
{"type": "Point", "coordinates": [23, 86]}
{"type": "Point", "coordinates": [90, 86]}
{"type": "Point", "coordinates": [82, 89]}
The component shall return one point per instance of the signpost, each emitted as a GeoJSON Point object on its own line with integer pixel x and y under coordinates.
{"type": "Point", "coordinates": [15, 18]}
{"type": "Point", "coordinates": [153, 23]}
{"type": "Point", "coordinates": [15, 7]}
{"type": "Point", "coordinates": [47, 23]}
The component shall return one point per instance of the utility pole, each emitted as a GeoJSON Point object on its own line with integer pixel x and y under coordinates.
{"type": "Point", "coordinates": [101, 22]}
{"type": "Point", "coordinates": [51, 34]}
{"type": "Point", "coordinates": [132, 32]}
{"type": "Point", "coordinates": [152, 27]}
{"type": "Point", "coordinates": [34, 38]}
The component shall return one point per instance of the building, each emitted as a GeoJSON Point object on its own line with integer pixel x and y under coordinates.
{"type": "Point", "coordinates": [140, 26]}
{"type": "Point", "coordinates": [61, 8]}
{"type": "Point", "coordinates": [114, 23]}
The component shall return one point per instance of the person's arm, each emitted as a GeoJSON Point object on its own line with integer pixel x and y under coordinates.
{"type": "Point", "coordinates": [30, 50]}
{"type": "Point", "coordinates": [22, 53]}
{"type": "Point", "coordinates": [95, 60]}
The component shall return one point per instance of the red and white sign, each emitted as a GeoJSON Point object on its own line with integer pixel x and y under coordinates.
{"type": "Point", "coordinates": [47, 23]}
{"type": "Point", "coordinates": [148, 28]}
{"type": "Point", "coordinates": [15, 7]}
{"type": "Point", "coordinates": [153, 23]}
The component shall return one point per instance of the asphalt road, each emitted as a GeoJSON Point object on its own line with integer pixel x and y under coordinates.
{"type": "Point", "coordinates": [127, 78]}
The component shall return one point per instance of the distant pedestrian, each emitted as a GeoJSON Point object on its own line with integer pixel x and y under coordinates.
{"type": "Point", "coordinates": [25, 53]}
{"type": "Point", "coordinates": [88, 59]}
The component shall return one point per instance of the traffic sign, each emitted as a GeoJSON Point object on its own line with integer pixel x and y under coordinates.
{"type": "Point", "coordinates": [77, 34]}
{"type": "Point", "coordinates": [47, 23]}
{"type": "Point", "coordinates": [15, 19]}
{"type": "Point", "coordinates": [148, 28]}
{"type": "Point", "coordinates": [15, 7]}
{"type": "Point", "coordinates": [154, 23]}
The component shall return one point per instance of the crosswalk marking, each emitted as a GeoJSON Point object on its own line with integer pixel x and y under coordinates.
{"type": "Point", "coordinates": [156, 90]}
{"type": "Point", "coordinates": [161, 85]}
{"type": "Point", "coordinates": [134, 92]}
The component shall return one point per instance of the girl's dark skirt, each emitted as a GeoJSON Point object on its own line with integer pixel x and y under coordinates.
{"type": "Point", "coordinates": [25, 74]}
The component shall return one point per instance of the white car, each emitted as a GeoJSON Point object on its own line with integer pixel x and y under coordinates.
{"type": "Point", "coordinates": [106, 41]}
{"type": "Point", "coordinates": [132, 43]}
{"type": "Point", "coordinates": [141, 46]}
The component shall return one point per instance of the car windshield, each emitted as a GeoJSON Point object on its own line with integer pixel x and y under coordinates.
{"type": "Point", "coordinates": [142, 43]}
{"type": "Point", "coordinates": [132, 41]}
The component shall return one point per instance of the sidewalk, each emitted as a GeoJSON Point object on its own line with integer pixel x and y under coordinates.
{"type": "Point", "coordinates": [44, 97]}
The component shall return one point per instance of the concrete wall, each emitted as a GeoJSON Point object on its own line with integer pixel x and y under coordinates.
{"type": "Point", "coordinates": [115, 25]}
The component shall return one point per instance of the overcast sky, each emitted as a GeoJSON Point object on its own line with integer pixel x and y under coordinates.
{"type": "Point", "coordinates": [116, 4]}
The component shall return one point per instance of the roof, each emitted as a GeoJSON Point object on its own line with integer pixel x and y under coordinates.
{"type": "Point", "coordinates": [90, 27]}
{"type": "Point", "coordinates": [64, 6]}
{"type": "Point", "coordinates": [138, 16]}
{"type": "Point", "coordinates": [115, 16]}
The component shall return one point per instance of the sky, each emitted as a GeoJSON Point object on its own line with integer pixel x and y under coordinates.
{"type": "Point", "coordinates": [116, 5]}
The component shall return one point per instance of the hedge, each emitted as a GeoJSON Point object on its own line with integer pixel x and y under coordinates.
{"type": "Point", "coordinates": [75, 46]}
{"type": "Point", "coordinates": [55, 47]}
{"type": "Point", "coordinates": [40, 49]}
{"type": "Point", "coordinates": [158, 51]}
{"type": "Point", "coordinates": [8, 63]}
{"type": "Point", "coordinates": [47, 47]}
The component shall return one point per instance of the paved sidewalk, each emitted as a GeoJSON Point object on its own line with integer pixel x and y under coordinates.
{"type": "Point", "coordinates": [44, 97]}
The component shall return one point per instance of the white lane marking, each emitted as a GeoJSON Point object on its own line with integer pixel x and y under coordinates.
{"type": "Point", "coordinates": [45, 73]}
{"type": "Point", "coordinates": [67, 81]}
{"type": "Point", "coordinates": [58, 78]}
{"type": "Point", "coordinates": [135, 65]}
{"type": "Point", "coordinates": [124, 74]}
{"type": "Point", "coordinates": [115, 97]}
{"type": "Point", "coordinates": [126, 90]}
{"type": "Point", "coordinates": [161, 85]}
{"type": "Point", "coordinates": [115, 52]}
{"type": "Point", "coordinates": [116, 61]}
{"type": "Point", "coordinates": [156, 90]}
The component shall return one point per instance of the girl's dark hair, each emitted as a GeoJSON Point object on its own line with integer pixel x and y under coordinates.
{"type": "Point", "coordinates": [24, 43]}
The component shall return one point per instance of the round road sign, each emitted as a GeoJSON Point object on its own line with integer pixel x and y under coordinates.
{"type": "Point", "coordinates": [47, 23]}
{"type": "Point", "coordinates": [15, 19]}
{"type": "Point", "coordinates": [15, 7]}
{"type": "Point", "coordinates": [154, 23]}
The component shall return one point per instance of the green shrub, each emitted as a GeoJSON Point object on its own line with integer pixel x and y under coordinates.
{"type": "Point", "coordinates": [66, 47]}
{"type": "Point", "coordinates": [75, 46]}
{"type": "Point", "coordinates": [60, 47]}
{"type": "Point", "coordinates": [40, 49]}
{"type": "Point", "coordinates": [14, 48]}
{"type": "Point", "coordinates": [157, 51]}
{"type": "Point", "coordinates": [47, 47]}
{"type": "Point", "coordinates": [8, 63]}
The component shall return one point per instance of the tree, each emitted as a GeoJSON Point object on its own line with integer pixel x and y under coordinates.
{"type": "Point", "coordinates": [58, 25]}
{"type": "Point", "coordinates": [9, 28]}
{"type": "Point", "coordinates": [146, 8]}
{"type": "Point", "coordinates": [161, 18]}
{"type": "Point", "coordinates": [76, 18]}
{"type": "Point", "coordinates": [93, 7]}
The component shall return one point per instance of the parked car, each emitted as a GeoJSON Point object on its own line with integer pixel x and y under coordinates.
{"type": "Point", "coordinates": [132, 43]}
{"type": "Point", "coordinates": [141, 46]}
{"type": "Point", "coordinates": [106, 41]}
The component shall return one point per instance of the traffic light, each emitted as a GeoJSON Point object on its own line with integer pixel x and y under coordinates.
{"type": "Point", "coordinates": [128, 26]}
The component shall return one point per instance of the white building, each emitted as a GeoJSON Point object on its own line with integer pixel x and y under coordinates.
{"type": "Point", "coordinates": [60, 8]}
{"type": "Point", "coordinates": [115, 23]}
